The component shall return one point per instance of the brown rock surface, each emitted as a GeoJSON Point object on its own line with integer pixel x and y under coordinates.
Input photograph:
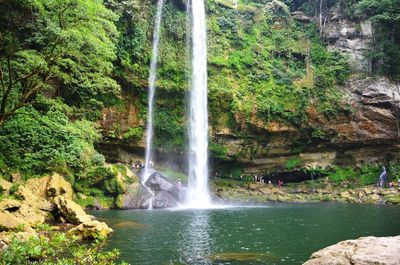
{"type": "Point", "coordinates": [91, 230]}
{"type": "Point", "coordinates": [72, 212]}
{"type": "Point", "coordinates": [362, 251]}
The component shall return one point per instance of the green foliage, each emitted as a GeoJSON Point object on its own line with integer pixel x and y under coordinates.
{"type": "Point", "coordinates": [66, 46]}
{"type": "Point", "coordinates": [56, 249]}
{"type": "Point", "coordinates": [293, 163]}
{"type": "Point", "coordinates": [218, 150]}
{"type": "Point", "coordinates": [369, 174]}
{"type": "Point", "coordinates": [340, 174]}
{"type": "Point", "coordinates": [135, 134]}
{"type": "Point", "coordinates": [385, 17]}
{"type": "Point", "coordinates": [42, 140]}
{"type": "Point", "coordinates": [263, 66]}
{"type": "Point", "coordinates": [168, 130]}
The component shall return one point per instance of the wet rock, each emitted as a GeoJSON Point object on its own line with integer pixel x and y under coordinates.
{"type": "Point", "coordinates": [244, 257]}
{"type": "Point", "coordinates": [159, 191]}
{"type": "Point", "coordinates": [71, 211]}
{"type": "Point", "coordinates": [91, 230]}
{"type": "Point", "coordinates": [129, 224]}
{"type": "Point", "coordinates": [362, 251]}
{"type": "Point", "coordinates": [392, 198]}
{"type": "Point", "coordinates": [136, 197]}
{"type": "Point", "coordinates": [167, 193]}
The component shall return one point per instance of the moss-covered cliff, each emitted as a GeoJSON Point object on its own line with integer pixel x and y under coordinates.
{"type": "Point", "coordinates": [280, 89]}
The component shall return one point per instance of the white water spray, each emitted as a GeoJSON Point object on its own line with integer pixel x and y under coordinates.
{"type": "Point", "coordinates": [152, 82]}
{"type": "Point", "coordinates": [198, 114]}
{"type": "Point", "coordinates": [148, 168]}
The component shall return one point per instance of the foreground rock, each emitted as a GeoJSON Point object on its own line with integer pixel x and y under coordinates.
{"type": "Point", "coordinates": [91, 230]}
{"type": "Point", "coordinates": [71, 211]}
{"type": "Point", "coordinates": [159, 191]}
{"type": "Point", "coordinates": [44, 199]}
{"type": "Point", "coordinates": [362, 251]}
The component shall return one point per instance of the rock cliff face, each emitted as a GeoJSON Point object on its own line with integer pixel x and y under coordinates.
{"type": "Point", "coordinates": [368, 132]}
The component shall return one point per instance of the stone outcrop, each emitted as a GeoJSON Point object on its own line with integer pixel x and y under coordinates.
{"type": "Point", "coordinates": [362, 251]}
{"type": "Point", "coordinates": [50, 187]}
{"type": "Point", "coordinates": [41, 199]}
{"type": "Point", "coordinates": [71, 211]}
{"type": "Point", "coordinates": [91, 230]}
{"type": "Point", "coordinates": [160, 191]}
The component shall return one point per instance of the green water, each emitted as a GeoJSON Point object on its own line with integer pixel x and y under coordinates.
{"type": "Point", "coordinates": [277, 234]}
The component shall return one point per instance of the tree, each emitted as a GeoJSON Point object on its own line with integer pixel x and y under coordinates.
{"type": "Point", "coordinates": [385, 18]}
{"type": "Point", "coordinates": [66, 46]}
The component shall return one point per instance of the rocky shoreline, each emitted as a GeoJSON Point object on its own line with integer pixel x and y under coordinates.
{"type": "Point", "coordinates": [300, 193]}
{"type": "Point", "coordinates": [45, 200]}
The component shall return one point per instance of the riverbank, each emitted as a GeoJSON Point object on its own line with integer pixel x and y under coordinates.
{"type": "Point", "coordinates": [322, 190]}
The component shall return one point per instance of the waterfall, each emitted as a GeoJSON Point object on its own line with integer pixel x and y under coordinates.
{"type": "Point", "coordinates": [152, 81]}
{"type": "Point", "coordinates": [198, 114]}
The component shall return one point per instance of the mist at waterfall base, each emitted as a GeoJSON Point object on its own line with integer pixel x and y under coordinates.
{"type": "Point", "coordinates": [277, 234]}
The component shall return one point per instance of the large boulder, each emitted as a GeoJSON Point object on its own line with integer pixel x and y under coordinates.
{"type": "Point", "coordinates": [50, 187]}
{"type": "Point", "coordinates": [32, 216]}
{"type": "Point", "coordinates": [25, 194]}
{"type": "Point", "coordinates": [362, 251]}
{"type": "Point", "coordinates": [158, 191]}
{"type": "Point", "coordinates": [167, 193]}
{"type": "Point", "coordinates": [71, 211]}
{"type": "Point", "coordinates": [91, 230]}
{"type": "Point", "coordinates": [135, 197]}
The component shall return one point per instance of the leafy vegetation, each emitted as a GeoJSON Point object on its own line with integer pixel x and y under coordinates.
{"type": "Point", "coordinates": [62, 47]}
{"type": "Point", "coordinates": [56, 248]}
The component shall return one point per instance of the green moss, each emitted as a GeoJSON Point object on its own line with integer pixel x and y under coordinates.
{"type": "Point", "coordinates": [135, 134]}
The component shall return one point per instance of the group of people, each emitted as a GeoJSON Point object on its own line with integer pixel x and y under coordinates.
{"type": "Point", "coordinates": [140, 165]}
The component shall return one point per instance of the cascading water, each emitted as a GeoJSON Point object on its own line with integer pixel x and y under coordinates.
{"type": "Point", "coordinates": [152, 83]}
{"type": "Point", "coordinates": [198, 115]}
{"type": "Point", "coordinates": [148, 169]}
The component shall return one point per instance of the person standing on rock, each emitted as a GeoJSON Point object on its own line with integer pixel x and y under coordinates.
{"type": "Point", "coordinates": [382, 178]}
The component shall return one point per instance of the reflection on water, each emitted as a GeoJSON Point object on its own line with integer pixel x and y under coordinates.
{"type": "Point", "coordinates": [195, 239]}
{"type": "Point", "coordinates": [280, 234]}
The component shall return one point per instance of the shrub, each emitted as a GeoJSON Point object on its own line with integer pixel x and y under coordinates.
{"type": "Point", "coordinates": [369, 174]}
{"type": "Point", "coordinates": [56, 249]}
{"type": "Point", "coordinates": [341, 174]}
{"type": "Point", "coordinates": [41, 143]}
{"type": "Point", "coordinates": [134, 134]}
